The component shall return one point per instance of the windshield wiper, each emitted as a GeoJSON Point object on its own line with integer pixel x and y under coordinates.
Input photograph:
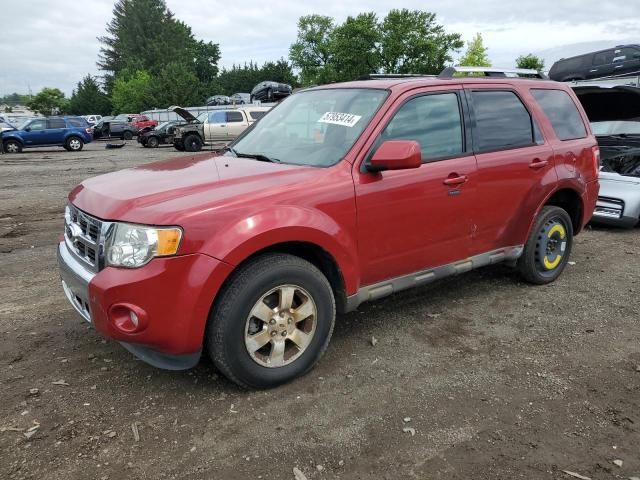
{"type": "Point", "coordinates": [256, 156]}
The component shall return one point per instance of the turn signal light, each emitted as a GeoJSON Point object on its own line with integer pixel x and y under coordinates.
{"type": "Point", "coordinates": [168, 241]}
{"type": "Point", "coordinates": [596, 159]}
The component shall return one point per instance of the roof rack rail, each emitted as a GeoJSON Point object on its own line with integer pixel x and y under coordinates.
{"type": "Point", "coordinates": [450, 72]}
{"type": "Point", "coordinates": [382, 76]}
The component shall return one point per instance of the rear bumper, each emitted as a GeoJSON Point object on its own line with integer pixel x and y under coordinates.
{"type": "Point", "coordinates": [589, 199]}
{"type": "Point", "coordinates": [171, 296]}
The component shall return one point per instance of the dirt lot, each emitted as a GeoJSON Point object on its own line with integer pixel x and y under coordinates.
{"type": "Point", "coordinates": [479, 376]}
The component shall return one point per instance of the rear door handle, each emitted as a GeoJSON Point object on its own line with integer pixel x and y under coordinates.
{"type": "Point", "coordinates": [455, 179]}
{"type": "Point", "coordinates": [537, 163]}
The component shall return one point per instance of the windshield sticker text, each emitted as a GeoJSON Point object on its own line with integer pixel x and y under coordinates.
{"type": "Point", "coordinates": [337, 118]}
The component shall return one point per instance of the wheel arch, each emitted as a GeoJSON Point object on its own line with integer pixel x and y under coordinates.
{"type": "Point", "coordinates": [570, 200]}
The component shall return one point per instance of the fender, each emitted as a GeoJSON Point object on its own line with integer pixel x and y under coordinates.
{"type": "Point", "coordinates": [287, 223]}
{"type": "Point", "coordinates": [563, 184]}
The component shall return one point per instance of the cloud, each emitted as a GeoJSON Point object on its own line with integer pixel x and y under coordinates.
{"type": "Point", "coordinates": [55, 43]}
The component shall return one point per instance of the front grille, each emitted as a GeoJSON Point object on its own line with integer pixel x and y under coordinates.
{"type": "Point", "coordinates": [82, 234]}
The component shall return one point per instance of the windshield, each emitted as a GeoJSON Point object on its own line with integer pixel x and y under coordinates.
{"type": "Point", "coordinates": [315, 128]}
{"type": "Point", "coordinates": [618, 127]}
{"type": "Point", "coordinates": [162, 125]}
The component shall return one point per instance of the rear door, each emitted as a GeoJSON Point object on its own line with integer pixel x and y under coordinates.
{"type": "Point", "coordinates": [56, 130]}
{"type": "Point", "coordinates": [515, 166]}
{"type": "Point", "coordinates": [236, 123]}
{"type": "Point", "coordinates": [602, 64]}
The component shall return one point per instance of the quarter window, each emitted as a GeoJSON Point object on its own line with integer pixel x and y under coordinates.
{"type": "Point", "coordinates": [561, 112]}
{"type": "Point", "coordinates": [434, 121]}
{"type": "Point", "coordinates": [257, 115]}
{"type": "Point", "coordinates": [502, 121]}
{"type": "Point", "coordinates": [603, 58]}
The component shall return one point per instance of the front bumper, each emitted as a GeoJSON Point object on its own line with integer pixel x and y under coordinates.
{"type": "Point", "coordinates": [173, 294]}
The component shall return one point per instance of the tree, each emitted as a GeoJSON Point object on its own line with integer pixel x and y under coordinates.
{"type": "Point", "coordinates": [176, 84]}
{"type": "Point", "coordinates": [143, 34]}
{"type": "Point", "coordinates": [49, 101]}
{"type": "Point", "coordinates": [132, 92]}
{"type": "Point", "coordinates": [405, 41]}
{"type": "Point", "coordinates": [312, 52]}
{"type": "Point", "coordinates": [530, 61]}
{"type": "Point", "coordinates": [476, 55]}
{"type": "Point", "coordinates": [412, 42]}
{"type": "Point", "coordinates": [355, 46]}
{"type": "Point", "coordinates": [243, 78]}
{"type": "Point", "coordinates": [88, 98]}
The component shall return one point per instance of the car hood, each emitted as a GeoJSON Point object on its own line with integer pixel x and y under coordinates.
{"type": "Point", "coordinates": [615, 178]}
{"type": "Point", "coordinates": [167, 192]}
{"type": "Point", "coordinates": [184, 113]}
{"type": "Point", "coordinates": [603, 104]}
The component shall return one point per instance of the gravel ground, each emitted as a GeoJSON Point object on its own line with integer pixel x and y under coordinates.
{"type": "Point", "coordinates": [479, 376]}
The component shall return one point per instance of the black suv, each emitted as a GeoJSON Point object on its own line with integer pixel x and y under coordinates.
{"type": "Point", "coordinates": [623, 59]}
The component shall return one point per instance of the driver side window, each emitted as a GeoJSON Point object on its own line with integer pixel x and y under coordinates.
{"type": "Point", "coordinates": [434, 121]}
{"type": "Point", "coordinates": [38, 125]}
{"type": "Point", "coordinates": [217, 117]}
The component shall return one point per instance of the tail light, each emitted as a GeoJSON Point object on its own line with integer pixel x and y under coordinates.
{"type": "Point", "coordinates": [595, 151]}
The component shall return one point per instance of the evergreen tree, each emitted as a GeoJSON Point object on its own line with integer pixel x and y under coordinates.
{"type": "Point", "coordinates": [88, 98]}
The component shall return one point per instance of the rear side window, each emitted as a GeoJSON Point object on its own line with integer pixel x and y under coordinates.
{"type": "Point", "coordinates": [56, 123]}
{"type": "Point", "coordinates": [257, 115]}
{"type": "Point", "coordinates": [603, 58]}
{"type": "Point", "coordinates": [234, 117]}
{"type": "Point", "coordinates": [561, 112]}
{"type": "Point", "coordinates": [433, 121]}
{"type": "Point", "coordinates": [502, 121]}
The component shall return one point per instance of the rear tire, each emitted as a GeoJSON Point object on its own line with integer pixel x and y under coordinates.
{"type": "Point", "coordinates": [192, 143]}
{"type": "Point", "coordinates": [291, 332]}
{"type": "Point", "coordinates": [12, 146]}
{"type": "Point", "coordinates": [74, 144]}
{"type": "Point", "coordinates": [548, 248]}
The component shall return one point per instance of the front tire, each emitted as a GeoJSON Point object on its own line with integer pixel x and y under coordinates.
{"type": "Point", "coordinates": [272, 322]}
{"type": "Point", "coordinates": [12, 146]}
{"type": "Point", "coordinates": [548, 248]}
{"type": "Point", "coordinates": [192, 143]}
{"type": "Point", "coordinates": [152, 142]}
{"type": "Point", "coordinates": [127, 135]}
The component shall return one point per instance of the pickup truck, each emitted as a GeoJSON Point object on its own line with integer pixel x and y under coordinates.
{"type": "Point", "coordinates": [342, 194]}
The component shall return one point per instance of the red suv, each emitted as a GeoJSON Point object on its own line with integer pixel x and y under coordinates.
{"type": "Point", "coordinates": [142, 122]}
{"type": "Point", "coordinates": [341, 194]}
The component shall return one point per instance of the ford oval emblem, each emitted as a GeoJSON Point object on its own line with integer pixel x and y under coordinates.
{"type": "Point", "coordinates": [76, 231]}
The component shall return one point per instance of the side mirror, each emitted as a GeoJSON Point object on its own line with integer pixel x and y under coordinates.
{"type": "Point", "coordinates": [636, 55]}
{"type": "Point", "coordinates": [396, 155]}
{"type": "Point", "coordinates": [27, 129]}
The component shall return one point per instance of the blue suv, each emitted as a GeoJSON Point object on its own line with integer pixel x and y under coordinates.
{"type": "Point", "coordinates": [68, 132]}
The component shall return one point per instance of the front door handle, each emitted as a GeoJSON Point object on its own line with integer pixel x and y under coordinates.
{"type": "Point", "coordinates": [455, 179]}
{"type": "Point", "coordinates": [537, 163]}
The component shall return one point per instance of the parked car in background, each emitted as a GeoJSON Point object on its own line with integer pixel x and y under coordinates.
{"type": "Point", "coordinates": [92, 119]}
{"type": "Point", "coordinates": [218, 100]}
{"type": "Point", "coordinates": [68, 132]}
{"type": "Point", "coordinates": [270, 91]}
{"type": "Point", "coordinates": [216, 126]}
{"type": "Point", "coordinates": [142, 122]}
{"type": "Point", "coordinates": [4, 126]}
{"type": "Point", "coordinates": [114, 129]}
{"type": "Point", "coordinates": [623, 59]}
{"type": "Point", "coordinates": [343, 194]}
{"type": "Point", "coordinates": [614, 113]}
{"type": "Point", "coordinates": [240, 98]}
{"type": "Point", "coordinates": [161, 135]}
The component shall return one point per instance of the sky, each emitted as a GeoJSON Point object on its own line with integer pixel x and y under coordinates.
{"type": "Point", "coordinates": [55, 44]}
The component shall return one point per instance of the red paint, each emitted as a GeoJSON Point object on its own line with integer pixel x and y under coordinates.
{"type": "Point", "coordinates": [375, 225]}
{"type": "Point", "coordinates": [396, 155]}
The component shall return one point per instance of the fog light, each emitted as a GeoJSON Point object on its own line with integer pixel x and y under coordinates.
{"type": "Point", "coordinates": [128, 318]}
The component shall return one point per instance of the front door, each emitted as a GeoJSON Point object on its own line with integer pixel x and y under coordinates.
{"type": "Point", "coordinates": [410, 220]}
{"type": "Point", "coordinates": [215, 128]}
{"type": "Point", "coordinates": [236, 124]}
{"type": "Point", "coordinates": [36, 133]}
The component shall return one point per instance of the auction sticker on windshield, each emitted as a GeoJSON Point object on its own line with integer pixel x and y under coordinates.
{"type": "Point", "coordinates": [337, 118]}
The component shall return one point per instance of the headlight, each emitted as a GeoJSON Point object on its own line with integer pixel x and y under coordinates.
{"type": "Point", "coordinates": [133, 246]}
